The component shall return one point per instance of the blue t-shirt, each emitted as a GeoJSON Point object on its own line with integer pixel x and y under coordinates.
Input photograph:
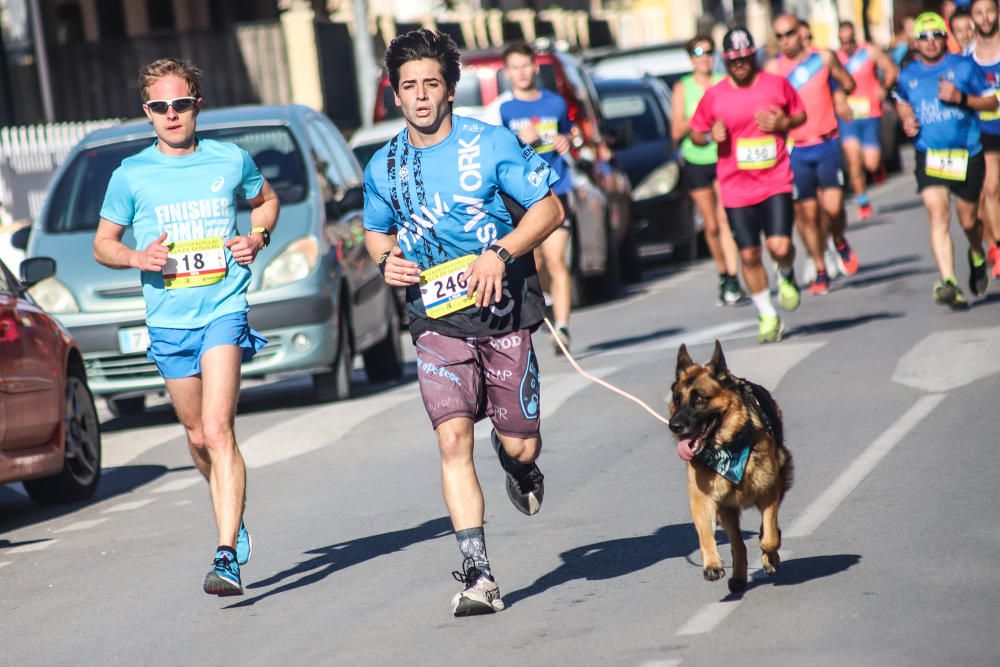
{"type": "Point", "coordinates": [550, 117]}
{"type": "Point", "coordinates": [989, 121]}
{"type": "Point", "coordinates": [189, 197]}
{"type": "Point", "coordinates": [943, 126]}
{"type": "Point", "coordinates": [444, 202]}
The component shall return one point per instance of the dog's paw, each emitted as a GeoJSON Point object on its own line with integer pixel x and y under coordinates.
{"type": "Point", "coordinates": [737, 585]}
{"type": "Point", "coordinates": [770, 561]}
{"type": "Point", "coordinates": [714, 572]}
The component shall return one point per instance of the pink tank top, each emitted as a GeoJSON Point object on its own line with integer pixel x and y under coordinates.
{"type": "Point", "coordinates": [811, 78]}
{"type": "Point", "coordinates": [861, 67]}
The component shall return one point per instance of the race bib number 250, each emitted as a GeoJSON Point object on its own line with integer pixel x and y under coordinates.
{"type": "Point", "coordinates": [443, 288]}
{"type": "Point", "coordinates": [195, 263]}
{"type": "Point", "coordinates": [756, 152]}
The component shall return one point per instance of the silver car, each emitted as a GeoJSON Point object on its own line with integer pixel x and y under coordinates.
{"type": "Point", "coordinates": [315, 293]}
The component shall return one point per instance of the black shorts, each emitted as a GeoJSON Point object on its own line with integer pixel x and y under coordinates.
{"type": "Point", "coordinates": [968, 189]}
{"type": "Point", "coordinates": [772, 217]}
{"type": "Point", "coordinates": [990, 142]}
{"type": "Point", "coordinates": [698, 176]}
{"type": "Point", "coordinates": [567, 222]}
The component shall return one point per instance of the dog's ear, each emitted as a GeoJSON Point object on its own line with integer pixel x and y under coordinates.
{"type": "Point", "coordinates": [717, 363]}
{"type": "Point", "coordinates": [684, 359]}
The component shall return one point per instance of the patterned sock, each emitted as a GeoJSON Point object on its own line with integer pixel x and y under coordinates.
{"type": "Point", "coordinates": [472, 544]}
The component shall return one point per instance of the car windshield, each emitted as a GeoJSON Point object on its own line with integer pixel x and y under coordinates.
{"type": "Point", "coordinates": [364, 152]}
{"type": "Point", "coordinates": [467, 94]}
{"type": "Point", "coordinates": [77, 198]}
{"type": "Point", "coordinates": [633, 118]}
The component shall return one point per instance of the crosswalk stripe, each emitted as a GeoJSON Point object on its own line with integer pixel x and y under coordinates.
{"type": "Point", "coordinates": [708, 617]}
{"type": "Point", "coordinates": [723, 332]}
{"type": "Point", "coordinates": [127, 507]}
{"type": "Point", "coordinates": [318, 428]}
{"type": "Point", "coordinates": [177, 484]}
{"type": "Point", "coordinates": [33, 546]}
{"type": "Point", "coordinates": [80, 525]}
{"type": "Point", "coordinates": [767, 365]}
{"type": "Point", "coordinates": [946, 360]}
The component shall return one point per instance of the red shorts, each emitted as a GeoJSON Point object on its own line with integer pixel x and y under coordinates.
{"type": "Point", "coordinates": [488, 376]}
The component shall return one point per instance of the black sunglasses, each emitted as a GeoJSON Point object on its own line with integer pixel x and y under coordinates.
{"type": "Point", "coordinates": [180, 105]}
{"type": "Point", "coordinates": [783, 35]}
{"type": "Point", "coordinates": [701, 51]}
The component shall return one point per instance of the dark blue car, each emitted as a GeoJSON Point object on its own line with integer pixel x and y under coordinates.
{"type": "Point", "coordinates": [637, 113]}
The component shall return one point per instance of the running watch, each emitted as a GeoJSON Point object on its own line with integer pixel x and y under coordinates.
{"type": "Point", "coordinates": [264, 233]}
{"type": "Point", "coordinates": [502, 253]}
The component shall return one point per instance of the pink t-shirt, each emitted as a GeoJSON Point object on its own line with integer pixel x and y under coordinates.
{"type": "Point", "coordinates": [753, 164]}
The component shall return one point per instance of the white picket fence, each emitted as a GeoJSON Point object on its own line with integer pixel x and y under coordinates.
{"type": "Point", "coordinates": [29, 155]}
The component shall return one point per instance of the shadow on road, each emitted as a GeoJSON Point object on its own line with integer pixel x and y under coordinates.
{"type": "Point", "coordinates": [630, 340]}
{"type": "Point", "coordinates": [829, 326]}
{"type": "Point", "coordinates": [897, 207]}
{"type": "Point", "coordinates": [870, 267]}
{"type": "Point", "coordinates": [336, 557]}
{"type": "Point", "coordinates": [613, 558]}
{"type": "Point", "coordinates": [799, 571]}
{"type": "Point", "coordinates": [17, 511]}
{"type": "Point", "coordinates": [868, 281]}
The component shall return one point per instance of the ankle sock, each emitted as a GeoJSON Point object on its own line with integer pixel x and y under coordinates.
{"type": "Point", "coordinates": [226, 550]}
{"type": "Point", "coordinates": [863, 199]}
{"type": "Point", "coordinates": [472, 544]}
{"type": "Point", "coordinates": [762, 300]}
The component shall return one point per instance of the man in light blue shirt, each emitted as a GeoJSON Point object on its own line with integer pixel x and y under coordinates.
{"type": "Point", "coordinates": [179, 197]}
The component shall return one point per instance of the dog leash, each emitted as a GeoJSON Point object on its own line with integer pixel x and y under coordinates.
{"type": "Point", "coordinates": [597, 380]}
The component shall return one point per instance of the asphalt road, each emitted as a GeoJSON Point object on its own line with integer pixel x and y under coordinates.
{"type": "Point", "coordinates": [891, 539]}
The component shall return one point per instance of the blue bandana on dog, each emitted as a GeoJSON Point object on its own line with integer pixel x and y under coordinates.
{"type": "Point", "coordinates": [730, 462]}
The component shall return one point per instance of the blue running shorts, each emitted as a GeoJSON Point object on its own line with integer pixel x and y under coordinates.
{"type": "Point", "coordinates": [866, 131]}
{"type": "Point", "coordinates": [177, 352]}
{"type": "Point", "coordinates": [815, 168]}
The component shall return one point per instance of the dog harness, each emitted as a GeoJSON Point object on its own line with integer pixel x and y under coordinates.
{"type": "Point", "coordinates": [731, 461]}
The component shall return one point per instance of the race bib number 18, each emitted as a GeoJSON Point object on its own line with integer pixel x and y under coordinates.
{"type": "Point", "coordinates": [947, 164]}
{"type": "Point", "coordinates": [756, 152]}
{"type": "Point", "coordinates": [443, 288]}
{"type": "Point", "coordinates": [195, 263]}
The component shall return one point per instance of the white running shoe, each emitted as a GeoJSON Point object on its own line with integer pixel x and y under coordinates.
{"type": "Point", "coordinates": [481, 594]}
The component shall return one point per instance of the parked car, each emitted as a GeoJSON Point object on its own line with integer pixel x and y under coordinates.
{"type": "Point", "coordinates": [637, 117]}
{"type": "Point", "coordinates": [603, 250]}
{"type": "Point", "coordinates": [50, 437]}
{"type": "Point", "coordinates": [668, 62]}
{"type": "Point", "coordinates": [315, 294]}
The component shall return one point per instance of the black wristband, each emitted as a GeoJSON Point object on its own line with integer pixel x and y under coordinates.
{"type": "Point", "coordinates": [964, 100]}
{"type": "Point", "coordinates": [382, 260]}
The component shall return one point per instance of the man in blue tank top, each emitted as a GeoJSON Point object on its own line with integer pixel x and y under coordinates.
{"type": "Point", "coordinates": [939, 95]}
{"type": "Point", "coordinates": [436, 224]}
{"type": "Point", "coordinates": [179, 197]}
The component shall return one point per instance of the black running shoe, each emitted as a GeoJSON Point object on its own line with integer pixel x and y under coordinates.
{"type": "Point", "coordinates": [947, 293]}
{"type": "Point", "coordinates": [525, 482]}
{"type": "Point", "coordinates": [979, 275]}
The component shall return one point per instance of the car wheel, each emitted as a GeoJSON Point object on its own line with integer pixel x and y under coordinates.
{"type": "Point", "coordinates": [82, 451]}
{"type": "Point", "coordinates": [335, 384]}
{"type": "Point", "coordinates": [607, 285]}
{"type": "Point", "coordinates": [384, 360]}
{"type": "Point", "coordinates": [127, 407]}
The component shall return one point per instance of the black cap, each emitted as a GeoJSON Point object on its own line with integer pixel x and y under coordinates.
{"type": "Point", "coordinates": [737, 43]}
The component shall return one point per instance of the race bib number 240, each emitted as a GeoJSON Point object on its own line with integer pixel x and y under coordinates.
{"type": "Point", "coordinates": [443, 288]}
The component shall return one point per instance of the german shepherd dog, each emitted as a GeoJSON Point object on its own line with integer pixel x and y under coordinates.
{"type": "Point", "coordinates": [729, 432]}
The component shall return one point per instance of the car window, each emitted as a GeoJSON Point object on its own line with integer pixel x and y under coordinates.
{"type": "Point", "coordinates": [7, 282]}
{"type": "Point", "coordinates": [467, 94]}
{"type": "Point", "coordinates": [364, 152]}
{"type": "Point", "coordinates": [634, 118]}
{"type": "Point", "coordinates": [325, 164]}
{"type": "Point", "coordinates": [75, 201]}
{"type": "Point", "coordinates": [342, 155]}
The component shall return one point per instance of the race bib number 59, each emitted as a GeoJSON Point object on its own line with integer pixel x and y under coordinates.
{"type": "Point", "coordinates": [756, 152]}
{"type": "Point", "coordinates": [195, 263]}
{"type": "Point", "coordinates": [443, 288]}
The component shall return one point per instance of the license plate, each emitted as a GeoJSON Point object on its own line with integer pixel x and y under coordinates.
{"type": "Point", "coordinates": [133, 339]}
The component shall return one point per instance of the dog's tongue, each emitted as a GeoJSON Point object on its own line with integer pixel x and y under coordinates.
{"type": "Point", "coordinates": [684, 448]}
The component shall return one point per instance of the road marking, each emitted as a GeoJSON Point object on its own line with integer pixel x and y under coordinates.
{"type": "Point", "coordinates": [563, 388]}
{"type": "Point", "coordinates": [34, 546]}
{"type": "Point", "coordinates": [122, 447]}
{"type": "Point", "coordinates": [318, 428]}
{"type": "Point", "coordinates": [5, 563]}
{"type": "Point", "coordinates": [767, 365]}
{"type": "Point", "coordinates": [708, 617]}
{"type": "Point", "coordinates": [662, 663]}
{"type": "Point", "coordinates": [178, 484]}
{"type": "Point", "coordinates": [127, 507]}
{"type": "Point", "coordinates": [723, 332]}
{"type": "Point", "coordinates": [972, 354]}
{"type": "Point", "coordinates": [821, 508]}
{"type": "Point", "coordinates": [81, 525]}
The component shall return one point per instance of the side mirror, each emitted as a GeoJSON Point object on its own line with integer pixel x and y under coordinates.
{"type": "Point", "coordinates": [37, 269]}
{"type": "Point", "coordinates": [19, 239]}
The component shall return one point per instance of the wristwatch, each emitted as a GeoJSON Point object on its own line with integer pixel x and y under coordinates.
{"type": "Point", "coordinates": [266, 235]}
{"type": "Point", "coordinates": [502, 253]}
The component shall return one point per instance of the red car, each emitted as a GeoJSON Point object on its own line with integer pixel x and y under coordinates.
{"type": "Point", "coordinates": [50, 438]}
{"type": "Point", "coordinates": [604, 249]}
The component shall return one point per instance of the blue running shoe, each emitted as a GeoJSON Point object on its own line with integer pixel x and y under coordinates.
{"type": "Point", "coordinates": [224, 577]}
{"type": "Point", "coordinates": [244, 545]}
